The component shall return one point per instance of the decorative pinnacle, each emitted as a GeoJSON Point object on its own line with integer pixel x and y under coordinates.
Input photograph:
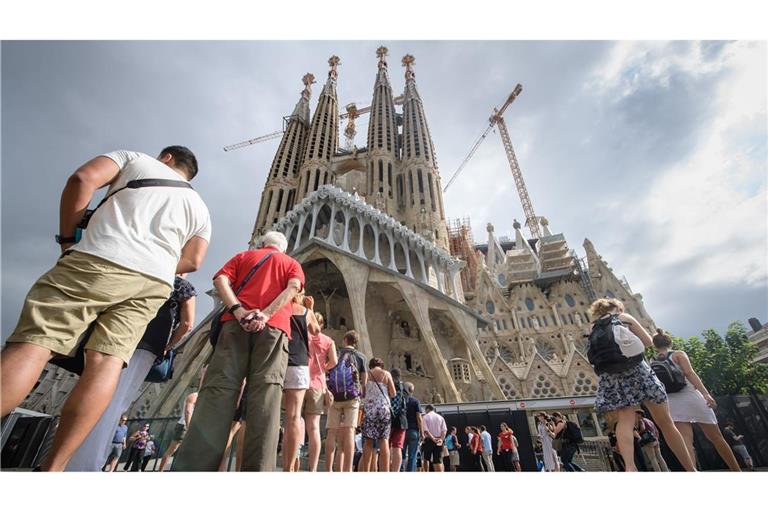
{"type": "Point", "coordinates": [307, 80]}
{"type": "Point", "coordinates": [334, 61]}
{"type": "Point", "coordinates": [381, 53]}
{"type": "Point", "coordinates": [408, 61]}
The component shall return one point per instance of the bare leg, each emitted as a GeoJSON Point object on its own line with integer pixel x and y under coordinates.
{"type": "Point", "coordinates": [625, 436]}
{"type": "Point", "coordinates": [686, 430]}
{"type": "Point", "coordinates": [330, 449]}
{"type": "Point", "coordinates": [364, 465]}
{"type": "Point", "coordinates": [396, 458]}
{"type": "Point", "coordinates": [233, 429]}
{"type": "Point", "coordinates": [293, 399]}
{"type": "Point", "coordinates": [168, 454]}
{"type": "Point", "coordinates": [384, 455]}
{"type": "Point", "coordinates": [312, 422]}
{"type": "Point", "coordinates": [240, 446]}
{"type": "Point", "coordinates": [672, 435]}
{"type": "Point", "coordinates": [712, 431]}
{"type": "Point", "coordinates": [347, 448]}
{"type": "Point", "coordinates": [22, 364]}
{"type": "Point", "coordinates": [85, 405]}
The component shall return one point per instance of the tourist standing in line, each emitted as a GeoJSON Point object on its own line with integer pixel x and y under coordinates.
{"type": "Point", "coordinates": [568, 446]}
{"type": "Point", "coordinates": [140, 438]}
{"type": "Point", "coordinates": [171, 324]}
{"type": "Point", "coordinates": [253, 344]}
{"type": "Point", "coordinates": [453, 445]}
{"type": "Point", "coordinates": [377, 422]}
{"type": "Point", "coordinates": [507, 449]}
{"type": "Point", "coordinates": [649, 442]}
{"type": "Point", "coordinates": [546, 435]}
{"type": "Point", "coordinates": [415, 433]}
{"type": "Point", "coordinates": [118, 445]}
{"type": "Point", "coordinates": [434, 437]}
{"type": "Point", "coordinates": [623, 391]}
{"type": "Point", "coordinates": [303, 323]}
{"type": "Point", "coordinates": [693, 404]}
{"type": "Point", "coordinates": [476, 449]}
{"type": "Point", "coordinates": [485, 437]}
{"type": "Point", "coordinates": [181, 429]}
{"type": "Point", "coordinates": [322, 357]}
{"type": "Point", "coordinates": [399, 422]}
{"type": "Point", "coordinates": [736, 442]}
{"type": "Point", "coordinates": [115, 276]}
{"type": "Point", "coordinates": [343, 414]}
{"type": "Point", "coordinates": [149, 451]}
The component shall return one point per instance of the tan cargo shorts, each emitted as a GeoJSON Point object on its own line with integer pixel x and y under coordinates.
{"type": "Point", "coordinates": [83, 289]}
{"type": "Point", "coordinates": [314, 401]}
{"type": "Point", "coordinates": [343, 414]}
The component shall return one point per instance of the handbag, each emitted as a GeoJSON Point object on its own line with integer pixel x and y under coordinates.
{"type": "Point", "coordinates": [213, 336]}
{"type": "Point", "coordinates": [162, 369]}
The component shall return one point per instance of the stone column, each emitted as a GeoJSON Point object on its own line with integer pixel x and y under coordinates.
{"type": "Point", "coordinates": [345, 241]}
{"type": "Point", "coordinates": [356, 280]}
{"type": "Point", "coordinates": [302, 220]}
{"type": "Point", "coordinates": [420, 310]}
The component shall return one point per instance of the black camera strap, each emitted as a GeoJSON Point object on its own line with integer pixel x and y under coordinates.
{"type": "Point", "coordinates": [146, 182]}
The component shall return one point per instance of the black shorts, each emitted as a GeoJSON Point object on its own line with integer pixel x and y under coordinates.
{"type": "Point", "coordinates": [431, 452]}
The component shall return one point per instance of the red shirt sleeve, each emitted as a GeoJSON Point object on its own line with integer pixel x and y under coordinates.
{"type": "Point", "coordinates": [231, 269]}
{"type": "Point", "coordinates": [296, 272]}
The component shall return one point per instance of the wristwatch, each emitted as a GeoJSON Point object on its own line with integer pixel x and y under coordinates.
{"type": "Point", "coordinates": [234, 307]}
{"type": "Point", "coordinates": [65, 239]}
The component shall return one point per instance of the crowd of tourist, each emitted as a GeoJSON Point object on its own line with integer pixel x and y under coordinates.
{"type": "Point", "coordinates": [116, 304]}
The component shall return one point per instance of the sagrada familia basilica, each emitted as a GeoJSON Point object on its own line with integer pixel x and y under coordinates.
{"type": "Point", "coordinates": [500, 320]}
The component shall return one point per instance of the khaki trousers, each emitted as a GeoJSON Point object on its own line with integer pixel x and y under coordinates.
{"type": "Point", "coordinates": [262, 358]}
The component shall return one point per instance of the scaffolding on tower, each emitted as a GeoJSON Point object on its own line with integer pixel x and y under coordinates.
{"type": "Point", "coordinates": [462, 246]}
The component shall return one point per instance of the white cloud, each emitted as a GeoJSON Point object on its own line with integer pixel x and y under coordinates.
{"type": "Point", "coordinates": [708, 211]}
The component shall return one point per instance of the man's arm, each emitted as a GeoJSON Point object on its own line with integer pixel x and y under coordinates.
{"type": "Point", "coordinates": [185, 324]}
{"type": "Point", "coordinates": [286, 296]}
{"type": "Point", "coordinates": [189, 408]}
{"type": "Point", "coordinates": [420, 424]}
{"type": "Point", "coordinates": [227, 296]}
{"type": "Point", "coordinates": [192, 255]}
{"type": "Point", "coordinates": [78, 192]}
{"type": "Point", "coordinates": [332, 359]}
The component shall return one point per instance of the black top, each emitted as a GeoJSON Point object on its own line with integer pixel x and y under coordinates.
{"type": "Point", "coordinates": [298, 348]}
{"type": "Point", "coordinates": [160, 329]}
{"type": "Point", "coordinates": [412, 407]}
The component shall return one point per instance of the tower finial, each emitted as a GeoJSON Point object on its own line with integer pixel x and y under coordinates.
{"type": "Point", "coordinates": [408, 61]}
{"type": "Point", "coordinates": [381, 53]}
{"type": "Point", "coordinates": [334, 61]}
{"type": "Point", "coordinates": [307, 80]}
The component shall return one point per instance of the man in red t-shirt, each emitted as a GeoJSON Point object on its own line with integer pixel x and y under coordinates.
{"type": "Point", "coordinates": [253, 344]}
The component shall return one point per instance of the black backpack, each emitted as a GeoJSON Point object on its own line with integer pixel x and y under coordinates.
{"type": "Point", "coordinates": [604, 353]}
{"type": "Point", "coordinates": [399, 402]}
{"type": "Point", "coordinates": [668, 372]}
{"type": "Point", "coordinates": [572, 433]}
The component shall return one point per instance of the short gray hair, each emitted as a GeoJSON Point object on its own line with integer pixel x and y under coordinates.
{"type": "Point", "coordinates": [408, 387]}
{"type": "Point", "coordinates": [274, 239]}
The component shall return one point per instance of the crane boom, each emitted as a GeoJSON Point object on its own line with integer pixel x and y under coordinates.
{"type": "Point", "coordinates": [530, 217]}
{"type": "Point", "coordinates": [249, 142]}
{"type": "Point", "coordinates": [469, 156]}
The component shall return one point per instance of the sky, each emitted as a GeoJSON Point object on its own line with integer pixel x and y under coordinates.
{"type": "Point", "coordinates": [655, 151]}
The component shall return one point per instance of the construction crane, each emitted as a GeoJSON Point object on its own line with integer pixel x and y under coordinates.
{"type": "Point", "coordinates": [352, 112]}
{"type": "Point", "coordinates": [495, 120]}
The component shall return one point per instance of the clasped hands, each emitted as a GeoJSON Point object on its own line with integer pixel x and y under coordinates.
{"type": "Point", "coordinates": [251, 320]}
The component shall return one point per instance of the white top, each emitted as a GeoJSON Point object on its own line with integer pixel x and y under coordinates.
{"type": "Point", "coordinates": [144, 229]}
{"type": "Point", "coordinates": [688, 406]}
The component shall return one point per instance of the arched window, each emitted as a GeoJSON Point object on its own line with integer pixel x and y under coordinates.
{"type": "Point", "coordinates": [529, 304]}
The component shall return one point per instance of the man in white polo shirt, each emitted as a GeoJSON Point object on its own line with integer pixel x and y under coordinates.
{"type": "Point", "coordinates": [116, 275]}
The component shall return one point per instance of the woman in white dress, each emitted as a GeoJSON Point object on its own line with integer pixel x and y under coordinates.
{"type": "Point", "coordinates": [693, 403]}
{"type": "Point", "coordinates": [546, 435]}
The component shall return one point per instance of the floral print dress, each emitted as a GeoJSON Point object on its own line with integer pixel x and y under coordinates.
{"type": "Point", "coordinates": [377, 422]}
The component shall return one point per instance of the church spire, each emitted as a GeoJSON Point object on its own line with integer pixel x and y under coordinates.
{"type": "Point", "coordinates": [424, 191]}
{"type": "Point", "coordinates": [382, 142]}
{"type": "Point", "coordinates": [279, 190]}
{"type": "Point", "coordinates": [323, 139]}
